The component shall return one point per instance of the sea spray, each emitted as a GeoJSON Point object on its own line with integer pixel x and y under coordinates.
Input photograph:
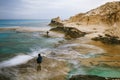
{"type": "Point", "coordinates": [15, 61]}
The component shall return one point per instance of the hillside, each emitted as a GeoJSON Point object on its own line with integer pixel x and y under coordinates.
{"type": "Point", "coordinates": [107, 14]}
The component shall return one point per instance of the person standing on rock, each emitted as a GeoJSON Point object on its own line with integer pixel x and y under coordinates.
{"type": "Point", "coordinates": [47, 33]}
{"type": "Point", "coordinates": [39, 61]}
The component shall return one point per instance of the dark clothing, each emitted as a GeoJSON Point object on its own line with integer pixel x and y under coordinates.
{"type": "Point", "coordinates": [47, 33]}
{"type": "Point", "coordinates": [39, 59]}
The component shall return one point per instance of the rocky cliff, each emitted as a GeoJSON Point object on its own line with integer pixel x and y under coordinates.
{"type": "Point", "coordinates": [100, 21]}
{"type": "Point", "coordinates": [108, 14]}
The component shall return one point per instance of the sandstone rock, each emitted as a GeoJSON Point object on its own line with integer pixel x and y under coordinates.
{"type": "Point", "coordinates": [69, 32]}
{"type": "Point", "coordinates": [56, 22]}
{"type": "Point", "coordinates": [107, 39]}
{"type": "Point", "coordinates": [107, 14]}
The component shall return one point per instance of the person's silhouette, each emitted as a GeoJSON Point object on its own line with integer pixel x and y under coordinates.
{"type": "Point", "coordinates": [39, 61]}
{"type": "Point", "coordinates": [47, 33]}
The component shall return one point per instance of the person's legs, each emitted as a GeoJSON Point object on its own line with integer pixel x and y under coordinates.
{"type": "Point", "coordinates": [38, 67]}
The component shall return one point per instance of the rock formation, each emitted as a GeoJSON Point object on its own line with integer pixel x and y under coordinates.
{"type": "Point", "coordinates": [107, 39]}
{"type": "Point", "coordinates": [69, 32]}
{"type": "Point", "coordinates": [56, 22]}
{"type": "Point", "coordinates": [107, 14]}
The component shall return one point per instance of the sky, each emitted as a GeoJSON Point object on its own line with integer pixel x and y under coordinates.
{"type": "Point", "coordinates": [46, 9]}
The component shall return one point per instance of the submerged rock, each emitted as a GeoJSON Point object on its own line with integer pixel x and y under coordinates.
{"type": "Point", "coordinates": [56, 22]}
{"type": "Point", "coordinates": [69, 32]}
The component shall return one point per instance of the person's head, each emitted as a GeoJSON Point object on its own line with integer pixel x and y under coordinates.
{"type": "Point", "coordinates": [39, 54]}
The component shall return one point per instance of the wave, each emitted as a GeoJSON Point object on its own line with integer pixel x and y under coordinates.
{"type": "Point", "coordinates": [15, 61]}
{"type": "Point", "coordinates": [22, 58]}
{"type": "Point", "coordinates": [25, 29]}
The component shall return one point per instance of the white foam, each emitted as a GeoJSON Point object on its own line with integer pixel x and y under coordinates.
{"type": "Point", "coordinates": [26, 29]}
{"type": "Point", "coordinates": [15, 61]}
{"type": "Point", "coordinates": [32, 29]}
{"type": "Point", "coordinates": [22, 58]}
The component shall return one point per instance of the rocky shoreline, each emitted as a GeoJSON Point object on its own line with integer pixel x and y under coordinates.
{"type": "Point", "coordinates": [73, 32]}
{"type": "Point", "coordinates": [107, 39]}
{"type": "Point", "coordinates": [31, 71]}
{"type": "Point", "coordinates": [103, 27]}
{"type": "Point", "coordinates": [51, 69]}
{"type": "Point", "coordinates": [69, 32]}
{"type": "Point", "coordinates": [99, 21]}
{"type": "Point", "coordinates": [82, 25]}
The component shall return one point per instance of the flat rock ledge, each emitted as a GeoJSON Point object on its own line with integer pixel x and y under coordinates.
{"type": "Point", "coordinates": [90, 77]}
{"type": "Point", "coordinates": [108, 39]}
{"type": "Point", "coordinates": [69, 32]}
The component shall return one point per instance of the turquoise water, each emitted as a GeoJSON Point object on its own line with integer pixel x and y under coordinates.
{"type": "Point", "coordinates": [28, 23]}
{"type": "Point", "coordinates": [13, 43]}
{"type": "Point", "coordinates": [104, 71]}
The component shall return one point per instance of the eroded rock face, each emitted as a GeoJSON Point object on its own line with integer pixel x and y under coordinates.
{"type": "Point", "coordinates": [108, 14]}
{"type": "Point", "coordinates": [56, 22]}
{"type": "Point", "coordinates": [69, 32]}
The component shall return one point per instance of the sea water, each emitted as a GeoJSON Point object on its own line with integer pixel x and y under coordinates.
{"type": "Point", "coordinates": [24, 22]}
{"type": "Point", "coordinates": [14, 43]}
{"type": "Point", "coordinates": [18, 47]}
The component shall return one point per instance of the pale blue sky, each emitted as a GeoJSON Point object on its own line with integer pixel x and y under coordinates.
{"type": "Point", "coordinates": [45, 9]}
